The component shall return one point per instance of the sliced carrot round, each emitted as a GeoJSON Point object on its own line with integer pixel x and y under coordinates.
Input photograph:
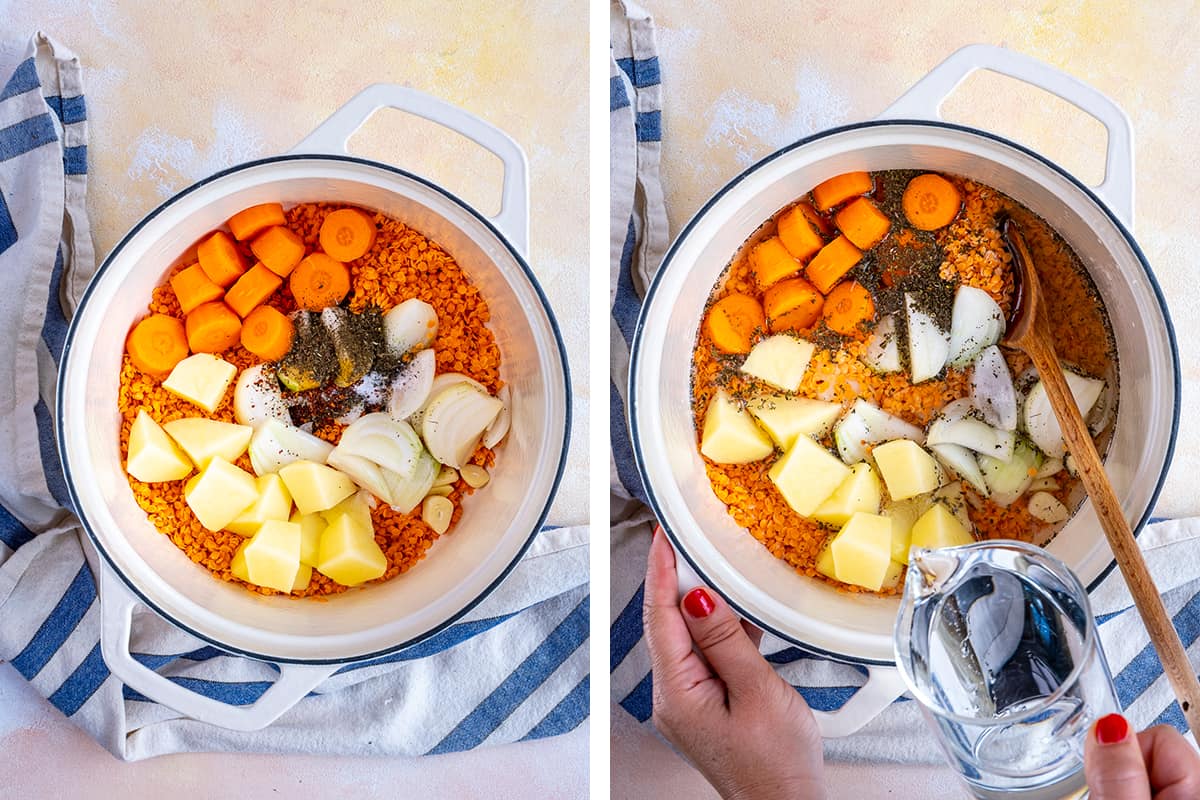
{"type": "Point", "coordinates": [847, 307]}
{"type": "Point", "coordinates": [347, 234]}
{"type": "Point", "coordinates": [931, 202]}
{"type": "Point", "coordinates": [733, 321]}
{"type": "Point", "coordinates": [267, 333]}
{"type": "Point", "coordinates": [319, 281]}
{"type": "Point", "coordinates": [157, 344]}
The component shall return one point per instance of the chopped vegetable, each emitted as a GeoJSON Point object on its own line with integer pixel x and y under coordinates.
{"type": "Point", "coordinates": [906, 468]}
{"type": "Point", "coordinates": [412, 386]}
{"type": "Point", "coordinates": [389, 443]}
{"type": "Point", "coordinates": [407, 493]}
{"type": "Point", "coordinates": [785, 418]}
{"type": "Point", "coordinates": [729, 435]}
{"type": "Point", "coordinates": [252, 289]}
{"type": "Point", "coordinates": [475, 476]}
{"type": "Point", "coordinates": [157, 344]}
{"type": "Point", "coordinates": [1051, 466]}
{"type": "Point", "coordinates": [248, 222]}
{"type": "Point", "coordinates": [992, 390]}
{"type": "Point", "coordinates": [201, 379]}
{"type": "Point", "coordinates": [446, 476]}
{"type": "Point", "coordinates": [311, 359]}
{"type": "Point", "coordinates": [153, 455]}
{"type": "Point", "coordinates": [1009, 479]}
{"type": "Point", "coordinates": [862, 551]}
{"type": "Point", "coordinates": [436, 513]}
{"type": "Point", "coordinates": [356, 340]}
{"type": "Point", "coordinates": [732, 322]}
{"type": "Point", "coordinates": [958, 423]}
{"type": "Point", "coordinates": [279, 248]}
{"type": "Point", "coordinates": [807, 475]}
{"type": "Point", "coordinates": [962, 463]}
{"type": "Point", "coordinates": [867, 424]}
{"type": "Point", "coordinates": [780, 360]}
{"type": "Point", "coordinates": [861, 491]}
{"type": "Point", "coordinates": [275, 444]}
{"type": "Point", "coordinates": [256, 397]}
{"type": "Point", "coordinates": [411, 325]}
{"type": "Point", "coordinates": [798, 233]}
{"type": "Point", "coordinates": [1047, 508]}
{"type": "Point", "coordinates": [318, 282]}
{"type": "Point", "coordinates": [976, 322]}
{"type": "Point", "coordinates": [274, 503]}
{"type": "Point", "coordinates": [347, 234]}
{"type": "Point", "coordinates": [454, 422]}
{"type": "Point", "coordinates": [882, 353]}
{"type": "Point", "coordinates": [267, 333]}
{"type": "Point", "coordinates": [862, 223]}
{"type": "Point", "coordinates": [1038, 415]}
{"type": "Point", "coordinates": [495, 432]}
{"type": "Point", "coordinates": [848, 307]}
{"type": "Point", "coordinates": [931, 202]}
{"type": "Point", "coordinates": [832, 263]}
{"type": "Point", "coordinates": [792, 304]}
{"type": "Point", "coordinates": [938, 528]}
{"type": "Point", "coordinates": [213, 328]}
{"type": "Point", "coordinates": [928, 345]}
{"type": "Point", "coordinates": [771, 262]}
{"type": "Point", "coordinates": [219, 493]}
{"type": "Point", "coordinates": [348, 553]}
{"type": "Point", "coordinates": [193, 288]}
{"type": "Point", "coordinates": [315, 487]}
{"type": "Point", "coordinates": [204, 439]}
{"type": "Point", "coordinates": [840, 188]}
{"type": "Point", "coordinates": [220, 259]}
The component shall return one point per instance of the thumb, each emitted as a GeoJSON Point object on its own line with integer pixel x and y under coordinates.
{"type": "Point", "coordinates": [1113, 762]}
{"type": "Point", "coordinates": [724, 643]}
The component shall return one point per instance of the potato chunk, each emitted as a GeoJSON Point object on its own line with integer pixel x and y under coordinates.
{"type": "Point", "coordinates": [201, 379]}
{"type": "Point", "coordinates": [316, 487]}
{"type": "Point", "coordinates": [807, 475]}
{"type": "Point", "coordinates": [220, 493]}
{"type": "Point", "coordinates": [730, 435]}
{"type": "Point", "coordinates": [861, 491]}
{"type": "Point", "coordinates": [274, 502]}
{"type": "Point", "coordinates": [203, 439]}
{"type": "Point", "coordinates": [937, 527]}
{"type": "Point", "coordinates": [906, 468]}
{"type": "Point", "coordinates": [349, 554]}
{"type": "Point", "coordinates": [780, 360]}
{"type": "Point", "coordinates": [786, 418]}
{"type": "Point", "coordinates": [153, 457]}
{"type": "Point", "coordinates": [272, 556]}
{"type": "Point", "coordinates": [311, 528]}
{"type": "Point", "coordinates": [862, 550]}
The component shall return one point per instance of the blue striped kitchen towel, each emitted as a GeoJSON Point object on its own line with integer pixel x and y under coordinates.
{"type": "Point", "coordinates": [638, 238]}
{"type": "Point", "coordinates": [514, 668]}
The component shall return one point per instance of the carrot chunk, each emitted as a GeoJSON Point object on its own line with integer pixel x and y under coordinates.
{"type": "Point", "coordinates": [279, 248]}
{"type": "Point", "coordinates": [847, 307]}
{"type": "Point", "coordinates": [862, 223]}
{"type": "Point", "coordinates": [930, 202]}
{"type": "Point", "coordinates": [798, 235]}
{"type": "Point", "coordinates": [347, 234]}
{"type": "Point", "coordinates": [841, 188]}
{"type": "Point", "coordinates": [252, 289]}
{"type": "Point", "coordinates": [834, 261]}
{"type": "Point", "coordinates": [771, 261]}
{"type": "Point", "coordinates": [193, 287]}
{"type": "Point", "coordinates": [220, 259]}
{"type": "Point", "coordinates": [319, 281]}
{"type": "Point", "coordinates": [794, 304]}
{"type": "Point", "coordinates": [732, 322]}
{"type": "Point", "coordinates": [212, 328]}
{"type": "Point", "coordinates": [157, 344]}
{"type": "Point", "coordinates": [250, 221]}
{"type": "Point", "coordinates": [819, 220]}
{"type": "Point", "coordinates": [267, 333]}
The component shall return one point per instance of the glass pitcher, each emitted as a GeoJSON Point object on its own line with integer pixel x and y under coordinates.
{"type": "Point", "coordinates": [999, 648]}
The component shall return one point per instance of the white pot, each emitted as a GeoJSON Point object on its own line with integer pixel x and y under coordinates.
{"type": "Point", "coordinates": [310, 640]}
{"type": "Point", "coordinates": [1094, 221]}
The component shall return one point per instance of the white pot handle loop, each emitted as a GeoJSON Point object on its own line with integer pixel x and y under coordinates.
{"type": "Point", "coordinates": [332, 134]}
{"type": "Point", "coordinates": [117, 604]}
{"type": "Point", "coordinates": [883, 685]}
{"type": "Point", "coordinates": [924, 101]}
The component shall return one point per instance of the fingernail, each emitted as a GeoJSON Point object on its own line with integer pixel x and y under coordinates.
{"type": "Point", "coordinates": [698, 603]}
{"type": "Point", "coordinates": [1112, 729]}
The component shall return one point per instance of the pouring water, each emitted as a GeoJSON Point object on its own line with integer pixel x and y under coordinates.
{"type": "Point", "coordinates": [999, 648]}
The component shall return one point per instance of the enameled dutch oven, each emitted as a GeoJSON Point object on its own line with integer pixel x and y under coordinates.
{"type": "Point", "coordinates": [1095, 221]}
{"type": "Point", "coordinates": [311, 640]}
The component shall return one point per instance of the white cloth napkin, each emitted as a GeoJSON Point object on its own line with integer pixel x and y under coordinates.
{"type": "Point", "coordinates": [514, 668]}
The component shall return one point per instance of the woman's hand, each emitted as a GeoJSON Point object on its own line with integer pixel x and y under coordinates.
{"type": "Point", "coordinates": [744, 727]}
{"type": "Point", "coordinates": [1156, 764]}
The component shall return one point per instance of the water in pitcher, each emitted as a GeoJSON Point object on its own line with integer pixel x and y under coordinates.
{"type": "Point", "coordinates": [1000, 649]}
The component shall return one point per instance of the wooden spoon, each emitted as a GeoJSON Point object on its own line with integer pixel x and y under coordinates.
{"type": "Point", "coordinates": [1029, 330]}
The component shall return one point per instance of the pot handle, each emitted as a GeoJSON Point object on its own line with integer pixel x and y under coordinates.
{"type": "Point", "coordinates": [924, 101]}
{"type": "Point", "coordinates": [884, 684]}
{"type": "Point", "coordinates": [331, 136]}
{"type": "Point", "coordinates": [117, 604]}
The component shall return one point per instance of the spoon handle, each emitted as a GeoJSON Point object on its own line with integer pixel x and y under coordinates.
{"type": "Point", "coordinates": [1120, 537]}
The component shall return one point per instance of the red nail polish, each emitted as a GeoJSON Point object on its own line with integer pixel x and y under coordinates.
{"type": "Point", "coordinates": [1112, 729]}
{"type": "Point", "coordinates": [698, 603]}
